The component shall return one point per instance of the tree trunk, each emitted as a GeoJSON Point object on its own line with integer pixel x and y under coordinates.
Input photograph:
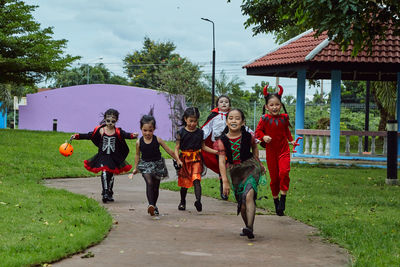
{"type": "Point", "coordinates": [383, 113]}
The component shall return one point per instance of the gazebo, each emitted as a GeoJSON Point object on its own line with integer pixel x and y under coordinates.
{"type": "Point", "coordinates": [308, 57]}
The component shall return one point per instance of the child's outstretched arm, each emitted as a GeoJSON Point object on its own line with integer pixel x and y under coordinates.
{"type": "Point", "coordinates": [254, 149]}
{"type": "Point", "coordinates": [137, 157]}
{"type": "Point", "coordinates": [82, 136]}
{"type": "Point", "coordinates": [126, 135]}
{"type": "Point", "coordinates": [222, 171]}
{"type": "Point", "coordinates": [177, 146]}
{"type": "Point", "coordinates": [260, 133]}
{"type": "Point", "coordinates": [208, 149]}
{"type": "Point", "coordinates": [167, 149]}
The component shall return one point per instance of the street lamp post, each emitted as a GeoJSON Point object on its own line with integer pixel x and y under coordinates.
{"type": "Point", "coordinates": [213, 66]}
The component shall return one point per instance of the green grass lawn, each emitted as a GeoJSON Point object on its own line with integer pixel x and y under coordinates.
{"type": "Point", "coordinates": [40, 224]}
{"type": "Point", "coordinates": [352, 207]}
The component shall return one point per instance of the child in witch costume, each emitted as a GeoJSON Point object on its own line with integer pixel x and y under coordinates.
{"type": "Point", "coordinates": [189, 143]}
{"type": "Point", "coordinates": [240, 167]}
{"type": "Point", "coordinates": [112, 151]}
{"type": "Point", "coordinates": [273, 131]}
{"type": "Point", "coordinates": [212, 128]}
{"type": "Point", "coordinates": [148, 161]}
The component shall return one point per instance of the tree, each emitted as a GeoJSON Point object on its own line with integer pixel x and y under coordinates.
{"type": "Point", "coordinates": [85, 74]}
{"type": "Point", "coordinates": [142, 66]}
{"type": "Point", "coordinates": [230, 87]}
{"type": "Point", "coordinates": [385, 98]}
{"type": "Point", "coordinates": [180, 77]}
{"type": "Point", "coordinates": [28, 53]}
{"type": "Point", "coordinates": [350, 22]}
{"type": "Point", "coordinates": [7, 91]}
{"type": "Point", "coordinates": [353, 92]}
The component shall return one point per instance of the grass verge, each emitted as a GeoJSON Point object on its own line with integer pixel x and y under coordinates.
{"type": "Point", "coordinates": [40, 224]}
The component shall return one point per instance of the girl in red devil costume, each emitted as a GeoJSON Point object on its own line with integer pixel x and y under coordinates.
{"type": "Point", "coordinates": [273, 131]}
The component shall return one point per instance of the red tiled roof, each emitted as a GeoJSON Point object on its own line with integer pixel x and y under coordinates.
{"type": "Point", "coordinates": [299, 51]}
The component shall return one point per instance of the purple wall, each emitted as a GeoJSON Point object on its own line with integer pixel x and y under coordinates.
{"type": "Point", "coordinates": [79, 108]}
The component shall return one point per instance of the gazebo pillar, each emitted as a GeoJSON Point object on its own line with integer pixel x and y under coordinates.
{"type": "Point", "coordinates": [336, 76]}
{"type": "Point", "coordinates": [398, 111]}
{"type": "Point", "coordinates": [300, 102]}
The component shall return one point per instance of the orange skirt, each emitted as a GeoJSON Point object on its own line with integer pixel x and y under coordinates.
{"type": "Point", "coordinates": [191, 169]}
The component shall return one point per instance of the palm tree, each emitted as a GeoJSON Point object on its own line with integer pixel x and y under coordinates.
{"type": "Point", "coordinates": [385, 98]}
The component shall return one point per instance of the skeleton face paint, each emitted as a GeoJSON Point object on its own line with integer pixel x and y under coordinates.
{"type": "Point", "coordinates": [110, 121]}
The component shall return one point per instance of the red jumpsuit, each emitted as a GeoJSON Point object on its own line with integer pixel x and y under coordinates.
{"type": "Point", "coordinates": [277, 151]}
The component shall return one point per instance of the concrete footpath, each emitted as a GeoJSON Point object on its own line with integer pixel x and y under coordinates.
{"type": "Point", "coordinates": [191, 238]}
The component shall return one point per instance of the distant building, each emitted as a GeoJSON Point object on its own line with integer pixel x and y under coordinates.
{"type": "Point", "coordinates": [79, 108]}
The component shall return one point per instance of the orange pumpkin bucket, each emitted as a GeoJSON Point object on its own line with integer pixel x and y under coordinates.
{"type": "Point", "coordinates": [66, 149]}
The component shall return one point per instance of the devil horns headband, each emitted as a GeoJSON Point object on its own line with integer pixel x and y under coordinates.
{"type": "Point", "coordinates": [265, 91]}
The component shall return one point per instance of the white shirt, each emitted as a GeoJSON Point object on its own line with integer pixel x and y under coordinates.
{"type": "Point", "coordinates": [216, 126]}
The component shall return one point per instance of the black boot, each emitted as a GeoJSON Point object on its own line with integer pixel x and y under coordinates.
{"type": "Point", "coordinates": [221, 190]}
{"type": "Point", "coordinates": [276, 203]}
{"type": "Point", "coordinates": [281, 207]}
{"type": "Point", "coordinates": [198, 205]}
{"type": "Point", "coordinates": [104, 186]}
{"type": "Point", "coordinates": [110, 185]}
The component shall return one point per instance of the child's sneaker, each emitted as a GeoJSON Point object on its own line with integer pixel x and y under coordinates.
{"type": "Point", "coordinates": [182, 206]}
{"type": "Point", "coordinates": [156, 212]}
{"type": "Point", "coordinates": [150, 210]}
{"type": "Point", "coordinates": [198, 205]}
{"type": "Point", "coordinates": [248, 232]}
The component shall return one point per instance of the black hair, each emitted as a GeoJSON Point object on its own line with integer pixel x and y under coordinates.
{"type": "Point", "coordinates": [148, 119]}
{"type": "Point", "coordinates": [190, 112]}
{"type": "Point", "coordinates": [269, 96]}
{"type": "Point", "coordinates": [223, 96]}
{"type": "Point", "coordinates": [243, 128]}
{"type": "Point", "coordinates": [110, 112]}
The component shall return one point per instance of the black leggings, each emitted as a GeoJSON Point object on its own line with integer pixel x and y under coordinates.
{"type": "Point", "coordinates": [152, 187]}
{"type": "Point", "coordinates": [197, 191]}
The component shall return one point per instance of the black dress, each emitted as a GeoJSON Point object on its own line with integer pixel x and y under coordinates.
{"type": "Point", "coordinates": [112, 151]}
{"type": "Point", "coordinates": [151, 160]}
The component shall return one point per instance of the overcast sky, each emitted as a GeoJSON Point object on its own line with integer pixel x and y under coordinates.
{"type": "Point", "coordinates": [112, 29]}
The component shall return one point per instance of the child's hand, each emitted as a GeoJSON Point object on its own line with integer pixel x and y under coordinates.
{"type": "Point", "coordinates": [180, 163]}
{"type": "Point", "coordinates": [135, 135]}
{"type": "Point", "coordinates": [293, 143]}
{"type": "Point", "coordinates": [226, 188]}
{"type": "Point", "coordinates": [73, 136]}
{"type": "Point", "coordinates": [263, 170]}
{"type": "Point", "coordinates": [267, 138]}
{"type": "Point", "coordinates": [135, 171]}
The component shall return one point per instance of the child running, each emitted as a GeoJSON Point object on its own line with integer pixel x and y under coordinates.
{"type": "Point", "coordinates": [148, 161]}
{"type": "Point", "coordinates": [189, 142]}
{"type": "Point", "coordinates": [112, 152]}
{"type": "Point", "coordinates": [273, 131]}
{"type": "Point", "coordinates": [243, 169]}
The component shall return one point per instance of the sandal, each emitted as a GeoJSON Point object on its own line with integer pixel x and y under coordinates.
{"type": "Point", "coordinates": [182, 206]}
